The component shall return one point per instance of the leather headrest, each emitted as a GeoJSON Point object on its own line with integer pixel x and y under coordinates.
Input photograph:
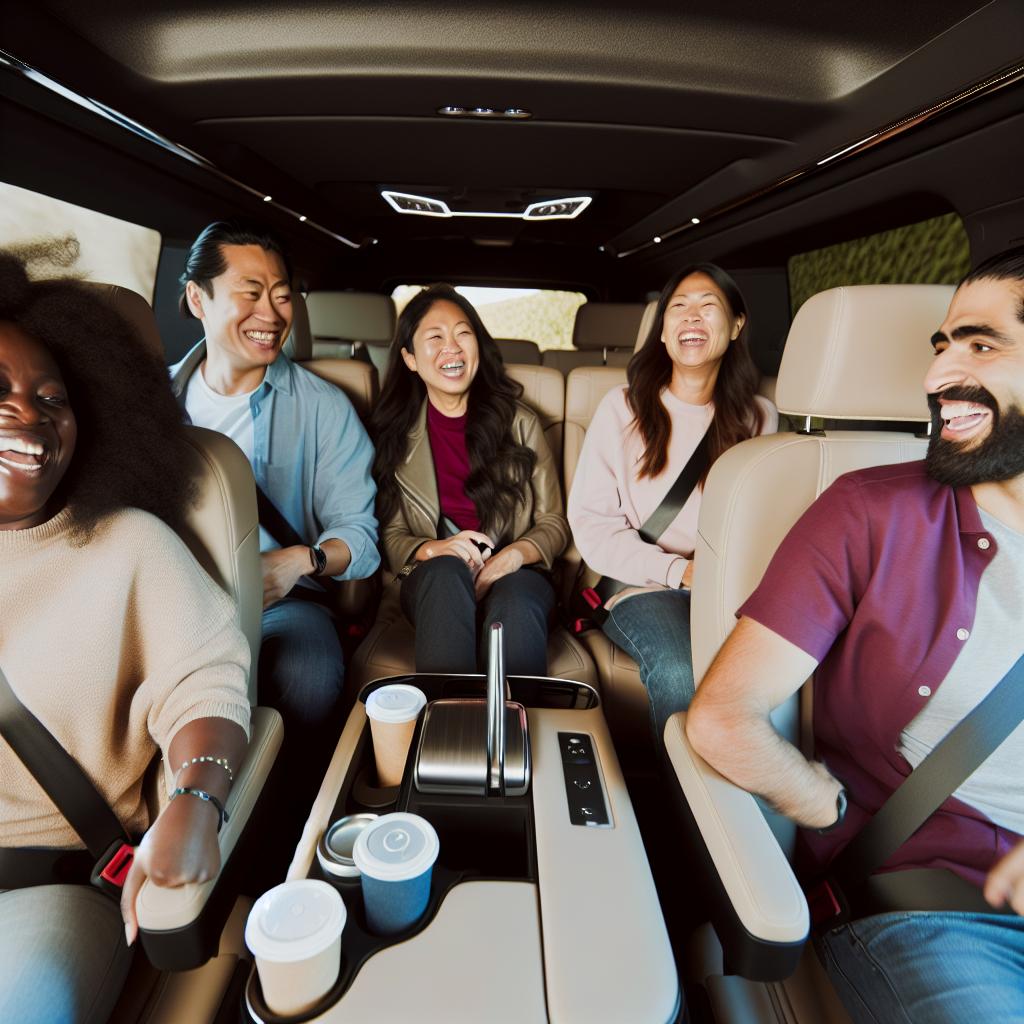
{"type": "Point", "coordinates": [602, 325]}
{"type": "Point", "coordinates": [352, 316]}
{"type": "Point", "coordinates": [862, 352]}
{"type": "Point", "coordinates": [133, 308]}
{"type": "Point", "coordinates": [298, 346]}
{"type": "Point", "coordinates": [645, 324]}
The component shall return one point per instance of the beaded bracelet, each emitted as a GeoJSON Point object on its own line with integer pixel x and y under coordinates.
{"type": "Point", "coordinates": [221, 762]}
{"type": "Point", "coordinates": [203, 795]}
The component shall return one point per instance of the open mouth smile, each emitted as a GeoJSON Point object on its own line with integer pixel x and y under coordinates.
{"type": "Point", "coordinates": [963, 420]}
{"type": "Point", "coordinates": [23, 453]}
{"type": "Point", "coordinates": [263, 339]}
{"type": "Point", "coordinates": [453, 369]}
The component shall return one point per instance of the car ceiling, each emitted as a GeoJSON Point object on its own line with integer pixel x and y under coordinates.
{"type": "Point", "coordinates": [658, 110]}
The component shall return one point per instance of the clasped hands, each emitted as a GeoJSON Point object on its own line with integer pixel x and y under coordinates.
{"type": "Point", "coordinates": [476, 550]}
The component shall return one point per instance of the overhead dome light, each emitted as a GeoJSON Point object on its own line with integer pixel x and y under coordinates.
{"type": "Point", "coordinates": [489, 113]}
{"type": "Point", "coordinates": [267, 199]}
{"type": "Point", "coordinates": [695, 220]}
{"type": "Point", "coordinates": [425, 206]}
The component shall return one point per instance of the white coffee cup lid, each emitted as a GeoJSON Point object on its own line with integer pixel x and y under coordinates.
{"type": "Point", "coordinates": [397, 702]}
{"type": "Point", "coordinates": [295, 921]}
{"type": "Point", "coordinates": [396, 847]}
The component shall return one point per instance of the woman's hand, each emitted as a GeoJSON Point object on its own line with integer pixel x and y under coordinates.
{"type": "Point", "coordinates": [687, 581]}
{"type": "Point", "coordinates": [505, 562]}
{"type": "Point", "coordinates": [1005, 882]}
{"type": "Point", "coordinates": [180, 847]}
{"type": "Point", "coordinates": [463, 546]}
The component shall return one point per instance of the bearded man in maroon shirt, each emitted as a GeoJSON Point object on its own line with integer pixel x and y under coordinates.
{"type": "Point", "coordinates": [902, 587]}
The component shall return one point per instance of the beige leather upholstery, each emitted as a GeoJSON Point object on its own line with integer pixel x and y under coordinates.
{"type": "Point", "coordinates": [645, 324]}
{"type": "Point", "coordinates": [544, 392]}
{"type": "Point", "coordinates": [515, 350]}
{"type": "Point", "coordinates": [840, 340]}
{"type": "Point", "coordinates": [603, 335]}
{"type": "Point", "coordinates": [565, 360]}
{"type": "Point", "coordinates": [754, 494]}
{"type": "Point", "coordinates": [584, 389]}
{"type": "Point", "coordinates": [342, 321]}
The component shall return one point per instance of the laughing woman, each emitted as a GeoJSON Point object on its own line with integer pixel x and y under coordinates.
{"type": "Point", "coordinates": [467, 490]}
{"type": "Point", "coordinates": [693, 379]}
{"type": "Point", "coordinates": [112, 636]}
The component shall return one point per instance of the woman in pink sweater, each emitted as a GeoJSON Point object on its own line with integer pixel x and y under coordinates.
{"type": "Point", "coordinates": [691, 384]}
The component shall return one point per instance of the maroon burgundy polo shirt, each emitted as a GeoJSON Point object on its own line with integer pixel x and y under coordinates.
{"type": "Point", "coordinates": [874, 581]}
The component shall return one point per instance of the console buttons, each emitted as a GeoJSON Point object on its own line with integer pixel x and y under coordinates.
{"type": "Point", "coordinates": [582, 783]}
{"type": "Point", "coordinates": [583, 790]}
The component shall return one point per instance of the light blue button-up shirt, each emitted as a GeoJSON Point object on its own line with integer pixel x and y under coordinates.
{"type": "Point", "coordinates": [311, 456]}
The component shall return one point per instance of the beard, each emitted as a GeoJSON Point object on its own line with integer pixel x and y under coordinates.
{"type": "Point", "coordinates": [1000, 456]}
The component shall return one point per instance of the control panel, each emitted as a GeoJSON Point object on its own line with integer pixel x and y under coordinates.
{"type": "Point", "coordinates": [587, 803]}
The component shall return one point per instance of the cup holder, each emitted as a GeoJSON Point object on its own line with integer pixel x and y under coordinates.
{"type": "Point", "coordinates": [367, 794]}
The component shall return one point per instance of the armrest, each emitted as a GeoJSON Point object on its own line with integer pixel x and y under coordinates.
{"type": "Point", "coordinates": [180, 928]}
{"type": "Point", "coordinates": [759, 910]}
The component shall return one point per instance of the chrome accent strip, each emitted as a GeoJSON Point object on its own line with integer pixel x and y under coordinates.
{"type": "Point", "coordinates": [156, 139]}
{"type": "Point", "coordinates": [999, 81]}
{"type": "Point", "coordinates": [496, 709]}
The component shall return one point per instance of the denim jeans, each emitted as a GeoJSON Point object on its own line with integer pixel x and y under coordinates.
{"type": "Point", "coordinates": [928, 968]}
{"type": "Point", "coordinates": [438, 599]}
{"type": "Point", "coordinates": [63, 958]}
{"type": "Point", "coordinates": [654, 630]}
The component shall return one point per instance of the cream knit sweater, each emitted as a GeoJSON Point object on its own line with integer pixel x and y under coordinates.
{"type": "Point", "coordinates": [114, 646]}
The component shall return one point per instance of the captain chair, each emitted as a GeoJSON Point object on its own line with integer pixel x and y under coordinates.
{"type": "Point", "coordinates": [352, 325]}
{"type": "Point", "coordinates": [857, 353]}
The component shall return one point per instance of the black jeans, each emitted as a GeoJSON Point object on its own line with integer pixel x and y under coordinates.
{"type": "Point", "coordinates": [438, 599]}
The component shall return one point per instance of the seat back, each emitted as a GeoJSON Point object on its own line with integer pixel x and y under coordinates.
{"type": "Point", "coordinates": [544, 392]}
{"type": "Point", "coordinates": [603, 335]}
{"type": "Point", "coordinates": [858, 353]}
{"type": "Point", "coordinates": [351, 325]}
{"type": "Point", "coordinates": [584, 389]}
{"type": "Point", "coordinates": [515, 350]}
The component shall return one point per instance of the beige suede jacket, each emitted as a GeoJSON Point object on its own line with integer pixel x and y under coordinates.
{"type": "Point", "coordinates": [540, 519]}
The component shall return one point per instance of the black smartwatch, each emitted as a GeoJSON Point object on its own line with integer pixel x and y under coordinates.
{"type": "Point", "coordinates": [319, 559]}
{"type": "Point", "coordinates": [842, 802]}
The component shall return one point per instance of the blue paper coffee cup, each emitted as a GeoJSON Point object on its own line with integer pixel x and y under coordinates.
{"type": "Point", "coordinates": [395, 856]}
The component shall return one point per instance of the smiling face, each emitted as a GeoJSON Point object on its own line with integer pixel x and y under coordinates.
{"type": "Point", "coordinates": [698, 323]}
{"type": "Point", "coordinates": [446, 355]}
{"type": "Point", "coordinates": [247, 317]}
{"type": "Point", "coordinates": [37, 430]}
{"type": "Point", "coordinates": [976, 386]}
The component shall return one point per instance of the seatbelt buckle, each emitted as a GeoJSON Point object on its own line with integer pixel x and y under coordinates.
{"type": "Point", "coordinates": [591, 596]}
{"type": "Point", "coordinates": [111, 870]}
{"type": "Point", "coordinates": [827, 906]}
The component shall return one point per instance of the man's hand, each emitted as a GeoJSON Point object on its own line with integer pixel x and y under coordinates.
{"type": "Point", "coordinates": [463, 546]}
{"type": "Point", "coordinates": [1005, 882]}
{"type": "Point", "coordinates": [504, 563]}
{"type": "Point", "coordinates": [281, 571]}
{"type": "Point", "coordinates": [180, 848]}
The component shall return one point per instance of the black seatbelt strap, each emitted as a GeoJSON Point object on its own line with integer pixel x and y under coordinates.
{"type": "Point", "coordinates": [963, 750]}
{"type": "Point", "coordinates": [65, 782]}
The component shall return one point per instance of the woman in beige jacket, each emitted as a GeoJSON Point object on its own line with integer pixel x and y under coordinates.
{"type": "Point", "coordinates": [467, 491]}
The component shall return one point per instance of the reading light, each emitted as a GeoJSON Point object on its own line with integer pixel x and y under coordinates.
{"type": "Point", "coordinates": [657, 239]}
{"type": "Point", "coordinates": [695, 220]}
{"type": "Point", "coordinates": [302, 218]}
{"type": "Point", "coordinates": [267, 199]}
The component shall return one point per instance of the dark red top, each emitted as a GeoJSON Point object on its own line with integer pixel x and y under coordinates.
{"type": "Point", "coordinates": [874, 581]}
{"type": "Point", "coordinates": [447, 436]}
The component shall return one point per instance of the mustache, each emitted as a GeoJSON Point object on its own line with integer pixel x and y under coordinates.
{"type": "Point", "coordinates": [963, 393]}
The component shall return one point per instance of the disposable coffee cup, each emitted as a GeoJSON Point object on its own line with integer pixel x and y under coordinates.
{"type": "Point", "coordinates": [294, 932]}
{"type": "Point", "coordinates": [393, 711]}
{"type": "Point", "coordinates": [334, 851]}
{"type": "Point", "coordinates": [395, 856]}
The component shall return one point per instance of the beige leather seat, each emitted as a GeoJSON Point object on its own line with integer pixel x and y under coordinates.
{"type": "Point", "coordinates": [858, 353]}
{"type": "Point", "coordinates": [389, 647]}
{"type": "Point", "coordinates": [352, 325]}
{"type": "Point", "coordinates": [603, 335]}
{"type": "Point", "coordinates": [222, 533]}
{"type": "Point", "coordinates": [515, 350]}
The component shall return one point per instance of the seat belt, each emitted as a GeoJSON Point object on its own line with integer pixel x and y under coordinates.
{"type": "Point", "coordinates": [286, 535]}
{"type": "Point", "coordinates": [653, 526]}
{"type": "Point", "coordinates": [958, 755]}
{"type": "Point", "coordinates": [65, 782]}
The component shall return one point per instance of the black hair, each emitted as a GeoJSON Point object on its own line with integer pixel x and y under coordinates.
{"type": "Point", "coordinates": [499, 468]}
{"type": "Point", "coordinates": [1007, 265]}
{"type": "Point", "coordinates": [205, 259]}
{"type": "Point", "coordinates": [131, 449]}
{"type": "Point", "coordinates": [737, 415]}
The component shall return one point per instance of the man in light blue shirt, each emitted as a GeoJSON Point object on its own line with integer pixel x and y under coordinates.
{"type": "Point", "coordinates": [309, 453]}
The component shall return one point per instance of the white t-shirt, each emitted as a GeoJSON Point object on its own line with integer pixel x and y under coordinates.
{"type": "Point", "coordinates": [227, 414]}
{"type": "Point", "coordinates": [996, 641]}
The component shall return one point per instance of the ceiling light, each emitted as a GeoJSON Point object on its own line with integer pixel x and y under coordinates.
{"type": "Point", "coordinates": [506, 113]}
{"type": "Point", "coordinates": [657, 239]}
{"type": "Point", "coordinates": [452, 111]}
{"type": "Point", "coordinates": [267, 199]}
{"type": "Point", "coordinates": [425, 206]}
{"type": "Point", "coordinates": [302, 218]}
{"type": "Point", "coordinates": [695, 220]}
{"type": "Point", "coordinates": [517, 113]}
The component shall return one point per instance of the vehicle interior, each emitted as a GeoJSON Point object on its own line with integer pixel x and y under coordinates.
{"type": "Point", "coordinates": [846, 164]}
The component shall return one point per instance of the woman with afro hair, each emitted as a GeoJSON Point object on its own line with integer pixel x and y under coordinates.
{"type": "Point", "coordinates": [110, 634]}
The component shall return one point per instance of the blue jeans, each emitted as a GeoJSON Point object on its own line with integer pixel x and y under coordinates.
{"type": "Point", "coordinates": [63, 959]}
{"type": "Point", "coordinates": [438, 599]}
{"type": "Point", "coordinates": [654, 630]}
{"type": "Point", "coordinates": [928, 968]}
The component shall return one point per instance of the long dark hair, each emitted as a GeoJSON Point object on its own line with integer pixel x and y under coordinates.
{"type": "Point", "coordinates": [131, 449]}
{"type": "Point", "coordinates": [499, 468]}
{"type": "Point", "coordinates": [737, 415]}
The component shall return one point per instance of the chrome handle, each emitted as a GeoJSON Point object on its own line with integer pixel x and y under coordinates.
{"type": "Point", "coordinates": [496, 709]}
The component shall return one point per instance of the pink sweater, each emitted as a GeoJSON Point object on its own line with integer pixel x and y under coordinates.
{"type": "Point", "coordinates": [608, 502]}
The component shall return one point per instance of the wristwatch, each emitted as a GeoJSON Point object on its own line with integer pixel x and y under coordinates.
{"type": "Point", "coordinates": [842, 801]}
{"type": "Point", "coordinates": [319, 559]}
